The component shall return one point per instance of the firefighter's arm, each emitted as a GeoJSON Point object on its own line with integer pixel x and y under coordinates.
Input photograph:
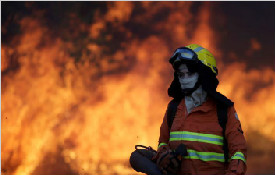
{"type": "Point", "coordinates": [163, 138]}
{"type": "Point", "coordinates": [236, 144]}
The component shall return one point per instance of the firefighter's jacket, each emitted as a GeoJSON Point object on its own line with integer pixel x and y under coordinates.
{"type": "Point", "coordinates": [202, 134]}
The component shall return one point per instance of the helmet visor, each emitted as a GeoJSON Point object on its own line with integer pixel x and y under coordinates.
{"type": "Point", "coordinates": [183, 54]}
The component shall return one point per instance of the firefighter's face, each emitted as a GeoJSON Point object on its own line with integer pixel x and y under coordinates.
{"type": "Point", "coordinates": [187, 79]}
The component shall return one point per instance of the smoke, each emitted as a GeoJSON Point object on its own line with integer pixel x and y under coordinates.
{"type": "Point", "coordinates": [83, 82]}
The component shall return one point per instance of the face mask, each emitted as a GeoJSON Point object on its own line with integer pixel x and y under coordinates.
{"type": "Point", "coordinates": [187, 79]}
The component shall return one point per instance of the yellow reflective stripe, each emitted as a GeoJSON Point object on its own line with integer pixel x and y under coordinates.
{"type": "Point", "coordinates": [193, 136]}
{"type": "Point", "coordinates": [196, 140]}
{"type": "Point", "coordinates": [239, 155]}
{"type": "Point", "coordinates": [161, 144]}
{"type": "Point", "coordinates": [195, 133]}
{"type": "Point", "coordinates": [205, 156]}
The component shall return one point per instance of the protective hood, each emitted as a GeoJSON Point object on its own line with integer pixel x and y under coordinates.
{"type": "Point", "coordinates": [208, 81]}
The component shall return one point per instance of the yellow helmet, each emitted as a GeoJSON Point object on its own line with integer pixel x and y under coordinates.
{"type": "Point", "coordinates": [194, 52]}
{"type": "Point", "coordinates": [204, 56]}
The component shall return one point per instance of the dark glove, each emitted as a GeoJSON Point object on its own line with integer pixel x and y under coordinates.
{"type": "Point", "coordinates": [168, 162]}
{"type": "Point", "coordinates": [236, 167]}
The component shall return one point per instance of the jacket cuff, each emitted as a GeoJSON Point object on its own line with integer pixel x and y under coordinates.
{"type": "Point", "coordinates": [239, 156]}
{"type": "Point", "coordinates": [162, 144]}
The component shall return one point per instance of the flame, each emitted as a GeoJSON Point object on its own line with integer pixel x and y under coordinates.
{"type": "Point", "coordinates": [241, 86]}
{"type": "Point", "coordinates": [85, 116]}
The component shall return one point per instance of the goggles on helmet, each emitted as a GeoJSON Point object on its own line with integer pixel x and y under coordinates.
{"type": "Point", "coordinates": [183, 54]}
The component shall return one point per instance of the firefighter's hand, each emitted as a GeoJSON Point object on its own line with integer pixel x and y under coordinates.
{"type": "Point", "coordinates": [167, 161]}
{"type": "Point", "coordinates": [236, 167]}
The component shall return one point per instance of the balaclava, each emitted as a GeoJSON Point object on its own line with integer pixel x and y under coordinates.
{"type": "Point", "coordinates": [188, 80]}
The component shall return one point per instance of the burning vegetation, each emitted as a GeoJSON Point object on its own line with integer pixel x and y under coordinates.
{"type": "Point", "coordinates": [82, 83]}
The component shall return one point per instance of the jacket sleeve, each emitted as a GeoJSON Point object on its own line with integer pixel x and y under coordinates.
{"type": "Point", "coordinates": [163, 138]}
{"type": "Point", "coordinates": [236, 144]}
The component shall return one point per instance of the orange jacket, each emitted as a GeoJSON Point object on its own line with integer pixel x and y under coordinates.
{"type": "Point", "coordinates": [202, 134]}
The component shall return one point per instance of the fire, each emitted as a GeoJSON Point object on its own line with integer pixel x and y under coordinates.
{"type": "Point", "coordinates": [247, 95]}
{"type": "Point", "coordinates": [83, 114]}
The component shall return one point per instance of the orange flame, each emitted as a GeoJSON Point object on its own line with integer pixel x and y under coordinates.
{"type": "Point", "coordinates": [53, 107]}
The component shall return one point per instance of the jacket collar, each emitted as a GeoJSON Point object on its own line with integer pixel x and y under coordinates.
{"type": "Point", "coordinates": [205, 106]}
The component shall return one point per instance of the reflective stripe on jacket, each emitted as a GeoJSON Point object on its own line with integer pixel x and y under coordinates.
{"type": "Point", "coordinates": [202, 134]}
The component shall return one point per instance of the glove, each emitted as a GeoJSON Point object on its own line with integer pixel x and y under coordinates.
{"type": "Point", "coordinates": [236, 167]}
{"type": "Point", "coordinates": [167, 161]}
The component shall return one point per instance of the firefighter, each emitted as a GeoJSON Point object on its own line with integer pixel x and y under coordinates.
{"type": "Point", "coordinates": [201, 133]}
{"type": "Point", "coordinates": [204, 120]}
